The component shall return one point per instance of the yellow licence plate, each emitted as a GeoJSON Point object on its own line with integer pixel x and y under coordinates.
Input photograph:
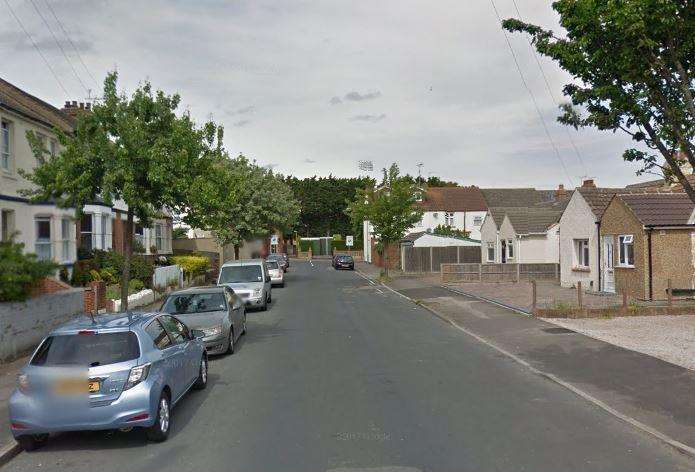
{"type": "Point", "coordinates": [76, 387]}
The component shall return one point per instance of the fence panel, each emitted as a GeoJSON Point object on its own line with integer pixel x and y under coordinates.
{"type": "Point", "coordinates": [167, 276]}
{"type": "Point", "coordinates": [468, 254]}
{"type": "Point", "coordinates": [470, 272]}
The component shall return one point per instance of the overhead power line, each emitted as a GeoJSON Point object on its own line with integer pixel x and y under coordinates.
{"type": "Point", "coordinates": [36, 46]}
{"type": "Point", "coordinates": [552, 96]}
{"type": "Point", "coordinates": [60, 46]}
{"type": "Point", "coordinates": [533, 97]}
{"type": "Point", "coordinates": [67, 36]}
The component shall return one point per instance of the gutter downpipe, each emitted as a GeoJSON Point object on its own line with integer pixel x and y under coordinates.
{"type": "Point", "coordinates": [649, 251]}
{"type": "Point", "coordinates": [598, 254]}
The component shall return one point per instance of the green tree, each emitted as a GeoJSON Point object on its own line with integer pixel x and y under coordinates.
{"type": "Point", "coordinates": [390, 208]}
{"type": "Point", "coordinates": [444, 230]}
{"type": "Point", "coordinates": [135, 149]}
{"type": "Point", "coordinates": [19, 271]}
{"type": "Point", "coordinates": [241, 201]}
{"type": "Point", "coordinates": [632, 62]}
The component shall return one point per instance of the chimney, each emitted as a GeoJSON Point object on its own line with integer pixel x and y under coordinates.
{"type": "Point", "coordinates": [560, 192]}
{"type": "Point", "coordinates": [588, 183]}
{"type": "Point", "coordinates": [73, 109]}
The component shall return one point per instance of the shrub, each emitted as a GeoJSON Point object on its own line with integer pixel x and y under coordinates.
{"type": "Point", "coordinates": [135, 285]}
{"type": "Point", "coordinates": [19, 271]}
{"type": "Point", "coordinates": [304, 245]}
{"type": "Point", "coordinates": [192, 265]}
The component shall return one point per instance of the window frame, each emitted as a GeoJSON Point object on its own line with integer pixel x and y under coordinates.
{"type": "Point", "coordinates": [154, 343]}
{"type": "Point", "coordinates": [6, 145]}
{"type": "Point", "coordinates": [449, 218]}
{"type": "Point", "coordinates": [65, 223]}
{"type": "Point", "coordinates": [494, 252]}
{"type": "Point", "coordinates": [6, 224]}
{"type": "Point", "coordinates": [510, 249]}
{"type": "Point", "coordinates": [478, 221]}
{"type": "Point", "coordinates": [580, 246]}
{"type": "Point", "coordinates": [90, 232]}
{"type": "Point", "coordinates": [623, 253]}
{"type": "Point", "coordinates": [43, 242]}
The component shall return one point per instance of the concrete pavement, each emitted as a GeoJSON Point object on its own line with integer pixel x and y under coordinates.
{"type": "Point", "coordinates": [344, 375]}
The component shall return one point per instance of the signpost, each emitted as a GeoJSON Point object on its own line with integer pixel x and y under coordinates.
{"type": "Point", "coordinates": [274, 240]}
{"type": "Point", "coordinates": [349, 241]}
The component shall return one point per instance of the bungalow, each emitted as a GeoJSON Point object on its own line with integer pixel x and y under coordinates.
{"type": "Point", "coordinates": [648, 239]}
{"type": "Point", "coordinates": [521, 225]}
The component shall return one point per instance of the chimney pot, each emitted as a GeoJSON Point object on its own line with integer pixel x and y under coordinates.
{"type": "Point", "coordinates": [67, 103]}
{"type": "Point", "coordinates": [74, 103]}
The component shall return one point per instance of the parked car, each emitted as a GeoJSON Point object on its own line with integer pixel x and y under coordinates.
{"type": "Point", "coordinates": [250, 280]}
{"type": "Point", "coordinates": [216, 311]}
{"type": "Point", "coordinates": [282, 262]}
{"type": "Point", "coordinates": [115, 372]}
{"type": "Point", "coordinates": [277, 275]}
{"type": "Point", "coordinates": [342, 261]}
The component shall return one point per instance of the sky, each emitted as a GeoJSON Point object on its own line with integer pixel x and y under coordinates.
{"type": "Point", "coordinates": [313, 87]}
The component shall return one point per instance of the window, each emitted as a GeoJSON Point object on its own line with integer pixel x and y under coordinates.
{"type": "Point", "coordinates": [477, 220]}
{"type": "Point", "coordinates": [176, 329]}
{"type": "Point", "coordinates": [158, 237]}
{"type": "Point", "coordinates": [626, 250]}
{"type": "Point", "coordinates": [43, 239]}
{"type": "Point", "coordinates": [449, 219]}
{"type": "Point", "coordinates": [236, 274]}
{"type": "Point", "coordinates": [5, 144]}
{"type": "Point", "coordinates": [54, 148]}
{"type": "Point", "coordinates": [491, 252]}
{"type": "Point", "coordinates": [7, 217]}
{"type": "Point", "coordinates": [139, 236]}
{"type": "Point", "coordinates": [105, 240]}
{"type": "Point", "coordinates": [581, 253]}
{"type": "Point", "coordinates": [195, 303]}
{"type": "Point", "coordinates": [510, 249]}
{"type": "Point", "coordinates": [44, 142]}
{"type": "Point", "coordinates": [65, 224]}
{"type": "Point", "coordinates": [86, 232]}
{"type": "Point", "coordinates": [160, 338]}
{"type": "Point", "coordinates": [89, 349]}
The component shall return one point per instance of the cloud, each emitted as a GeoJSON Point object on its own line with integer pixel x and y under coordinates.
{"type": "Point", "coordinates": [368, 118]}
{"type": "Point", "coordinates": [309, 161]}
{"type": "Point", "coordinates": [243, 111]}
{"type": "Point", "coordinates": [355, 96]}
{"type": "Point", "coordinates": [19, 42]}
{"type": "Point", "coordinates": [241, 123]}
{"type": "Point", "coordinates": [271, 166]}
{"type": "Point", "coordinates": [359, 97]}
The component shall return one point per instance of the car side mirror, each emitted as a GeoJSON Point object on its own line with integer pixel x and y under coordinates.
{"type": "Point", "coordinates": [198, 333]}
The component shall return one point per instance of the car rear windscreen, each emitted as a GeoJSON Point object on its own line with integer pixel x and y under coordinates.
{"type": "Point", "coordinates": [345, 258]}
{"type": "Point", "coordinates": [240, 274]}
{"type": "Point", "coordinates": [273, 265]}
{"type": "Point", "coordinates": [88, 349]}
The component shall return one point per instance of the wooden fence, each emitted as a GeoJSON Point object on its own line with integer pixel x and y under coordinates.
{"type": "Point", "coordinates": [429, 259]}
{"type": "Point", "coordinates": [498, 272]}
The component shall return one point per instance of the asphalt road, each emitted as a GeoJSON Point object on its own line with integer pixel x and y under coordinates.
{"type": "Point", "coordinates": [340, 375]}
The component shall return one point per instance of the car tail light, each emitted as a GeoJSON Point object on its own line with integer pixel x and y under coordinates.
{"type": "Point", "coordinates": [137, 375]}
{"type": "Point", "coordinates": [86, 332]}
{"type": "Point", "coordinates": [18, 426]}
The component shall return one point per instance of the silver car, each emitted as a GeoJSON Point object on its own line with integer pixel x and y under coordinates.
{"type": "Point", "coordinates": [216, 311]}
{"type": "Point", "coordinates": [115, 372]}
{"type": "Point", "coordinates": [250, 280]}
{"type": "Point", "coordinates": [277, 274]}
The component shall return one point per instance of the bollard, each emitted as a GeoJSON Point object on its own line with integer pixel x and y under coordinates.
{"type": "Point", "coordinates": [533, 295]}
{"type": "Point", "coordinates": [579, 294]}
{"type": "Point", "coordinates": [669, 292]}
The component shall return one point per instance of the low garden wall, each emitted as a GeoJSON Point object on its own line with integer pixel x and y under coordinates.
{"type": "Point", "coordinates": [24, 324]}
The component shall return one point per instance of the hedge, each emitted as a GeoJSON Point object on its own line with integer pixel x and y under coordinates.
{"type": "Point", "coordinates": [19, 271]}
{"type": "Point", "coordinates": [191, 265]}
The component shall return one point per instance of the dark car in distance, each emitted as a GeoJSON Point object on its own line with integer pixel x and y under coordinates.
{"type": "Point", "coordinates": [343, 261]}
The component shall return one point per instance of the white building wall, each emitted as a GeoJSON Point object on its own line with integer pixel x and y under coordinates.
{"type": "Point", "coordinates": [21, 215]}
{"type": "Point", "coordinates": [578, 222]}
{"type": "Point", "coordinates": [431, 240]}
{"type": "Point", "coordinates": [488, 235]}
{"type": "Point", "coordinates": [465, 221]}
{"type": "Point", "coordinates": [540, 248]}
{"type": "Point", "coordinates": [507, 233]}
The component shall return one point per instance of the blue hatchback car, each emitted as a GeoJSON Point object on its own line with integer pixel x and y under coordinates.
{"type": "Point", "coordinates": [117, 372]}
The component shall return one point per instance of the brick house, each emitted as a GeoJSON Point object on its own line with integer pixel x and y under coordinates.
{"type": "Point", "coordinates": [648, 239]}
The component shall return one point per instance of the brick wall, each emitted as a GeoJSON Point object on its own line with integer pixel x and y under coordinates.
{"type": "Point", "coordinates": [393, 253]}
{"type": "Point", "coordinates": [672, 258]}
{"type": "Point", "coordinates": [95, 297]}
{"type": "Point", "coordinates": [47, 285]}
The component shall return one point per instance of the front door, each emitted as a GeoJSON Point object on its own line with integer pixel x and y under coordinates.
{"type": "Point", "coordinates": [607, 262]}
{"type": "Point", "coordinates": [503, 252]}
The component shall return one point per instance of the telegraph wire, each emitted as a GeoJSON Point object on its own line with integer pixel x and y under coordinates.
{"type": "Point", "coordinates": [533, 97]}
{"type": "Point", "coordinates": [67, 36]}
{"type": "Point", "coordinates": [60, 46]}
{"type": "Point", "coordinates": [552, 95]}
{"type": "Point", "coordinates": [36, 46]}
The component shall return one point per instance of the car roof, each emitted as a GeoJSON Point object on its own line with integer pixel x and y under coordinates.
{"type": "Point", "coordinates": [241, 262]}
{"type": "Point", "coordinates": [111, 322]}
{"type": "Point", "coordinates": [204, 289]}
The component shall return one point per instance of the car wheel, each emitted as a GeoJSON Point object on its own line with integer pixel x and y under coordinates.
{"type": "Point", "coordinates": [159, 431]}
{"type": "Point", "coordinates": [270, 297]}
{"type": "Point", "coordinates": [243, 332]}
{"type": "Point", "coordinates": [32, 442]}
{"type": "Point", "coordinates": [230, 342]}
{"type": "Point", "coordinates": [202, 380]}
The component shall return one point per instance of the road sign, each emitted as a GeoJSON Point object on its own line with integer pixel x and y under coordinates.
{"type": "Point", "coordinates": [348, 241]}
{"type": "Point", "coordinates": [274, 240]}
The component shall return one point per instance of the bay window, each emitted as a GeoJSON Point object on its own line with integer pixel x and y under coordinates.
{"type": "Point", "coordinates": [43, 239]}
